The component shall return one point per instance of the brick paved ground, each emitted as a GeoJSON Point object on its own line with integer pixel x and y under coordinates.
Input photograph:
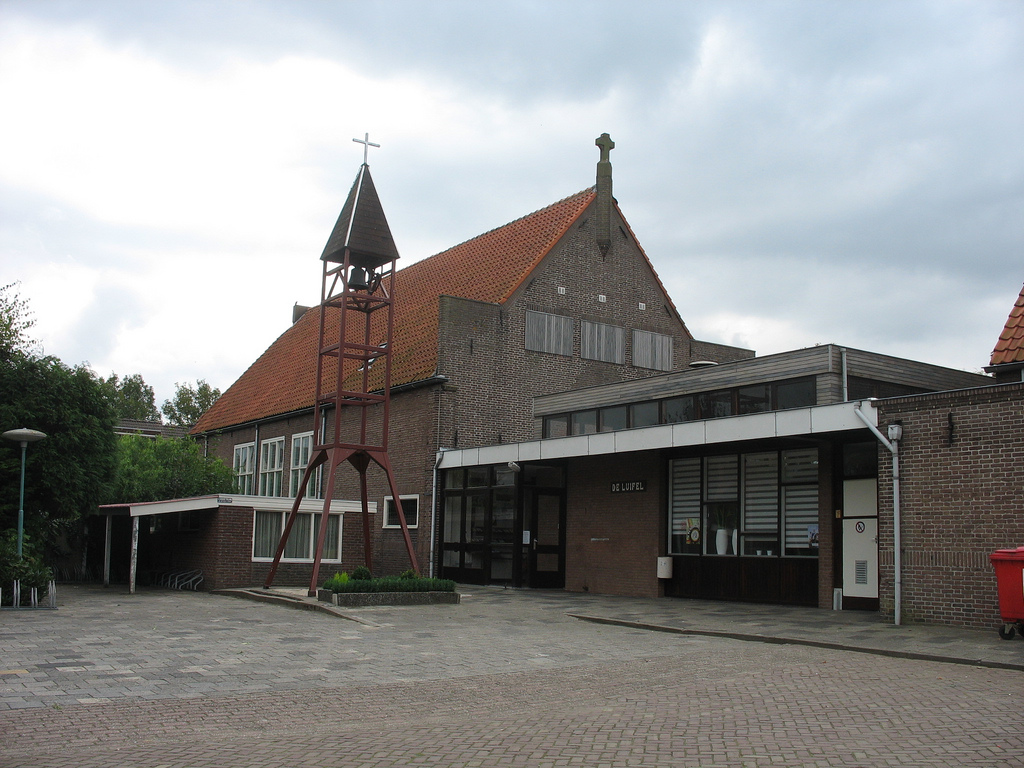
{"type": "Point", "coordinates": [167, 679]}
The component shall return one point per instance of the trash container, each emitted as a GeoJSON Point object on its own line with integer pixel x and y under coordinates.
{"type": "Point", "coordinates": [1009, 565]}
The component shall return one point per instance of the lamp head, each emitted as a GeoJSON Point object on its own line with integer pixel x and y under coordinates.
{"type": "Point", "coordinates": [24, 435]}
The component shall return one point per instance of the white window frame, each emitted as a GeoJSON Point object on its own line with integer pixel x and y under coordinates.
{"type": "Point", "coordinates": [244, 466]}
{"type": "Point", "coordinates": [303, 441]}
{"type": "Point", "coordinates": [275, 536]}
{"type": "Point", "coordinates": [389, 509]}
{"type": "Point", "coordinates": [652, 350]}
{"type": "Point", "coordinates": [271, 467]}
{"type": "Point", "coordinates": [546, 332]}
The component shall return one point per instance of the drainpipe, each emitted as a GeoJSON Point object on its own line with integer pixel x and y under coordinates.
{"type": "Point", "coordinates": [433, 508]}
{"type": "Point", "coordinates": [892, 443]}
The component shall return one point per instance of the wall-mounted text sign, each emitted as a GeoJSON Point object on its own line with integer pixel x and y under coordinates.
{"type": "Point", "coordinates": [629, 486]}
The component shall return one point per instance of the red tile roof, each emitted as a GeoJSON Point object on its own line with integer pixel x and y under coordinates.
{"type": "Point", "coordinates": [487, 268]}
{"type": "Point", "coordinates": [1010, 347]}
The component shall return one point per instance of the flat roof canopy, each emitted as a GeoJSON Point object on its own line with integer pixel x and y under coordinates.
{"type": "Point", "coordinates": [796, 422]}
{"type": "Point", "coordinates": [261, 503]}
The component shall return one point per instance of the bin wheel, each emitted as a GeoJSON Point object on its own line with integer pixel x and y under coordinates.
{"type": "Point", "coordinates": [1007, 631]}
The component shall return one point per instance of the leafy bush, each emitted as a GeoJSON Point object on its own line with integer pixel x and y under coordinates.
{"type": "Point", "coordinates": [361, 573]}
{"type": "Point", "coordinates": [337, 582]}
{"type": "Point", "coordinates": [29, 570]}
{"type": "Point", "coordinates": [409, 574]}
{"type": "Point", "coordinates": [341, 583]}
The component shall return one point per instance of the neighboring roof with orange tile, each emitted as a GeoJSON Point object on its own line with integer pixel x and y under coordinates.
{"type": "Point", "coordinates": [487, 268]}
{"type": "Point", "coordinates": [1010, 347]}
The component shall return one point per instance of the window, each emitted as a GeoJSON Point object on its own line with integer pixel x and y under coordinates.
{"type": "Point", "coordinates": [652, 350]}
{"type": "Point", "coordinates": [599, 341]}
{"type": "Point", "coordinates": [713, 405]}
{"type": "Point", "coordinates": [556, 426]}
{"type": "Point", "coordinates": [800, 501]}
{"type": "Point", "coordinates": [761, 503]}
{"type": "Point", "coordinates": [755, 504]}
{"type": "Point", "coordinates": [549, 333]}
{"type": "Point", "coordinates": [410, 508]}
{"type": "Point", "coordinates": [302, 449]}
{"type": "Point", "coordinates": [268, 527]}
{"type": "Point", "coordinates": [860, 388]}
{"type": "Point", "coordinates": [680, 409]}
{"type": "Point", "coordinates": [643, 414]}
{"type": "Point", "coordinates": [721, 504]}
{"type": "Point", "coordinates": [243, 464]}
{"type": "Point", "coordinates": [754, 399]}
{"type": "Point", "coordinates": [478, 477]}
{"type": "Point", "coordinates": [613, 418]}
{"type": "Point", "coordinates": [860, 460]}
{"type": "Point", "coordinates": [271, 467]}
{"type": "Point", "coordinates": [584, 422]}
{"type": "Point", "coordinates": [684, 507]}
{"type": "Point", "coordinates": [799, 393]}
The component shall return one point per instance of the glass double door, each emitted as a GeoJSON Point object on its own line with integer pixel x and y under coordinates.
{"type": "Point", "coordinates": [494, 537]}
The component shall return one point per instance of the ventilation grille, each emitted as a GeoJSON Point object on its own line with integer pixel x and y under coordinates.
{"type": "Point", "coordinates": [861, 572]}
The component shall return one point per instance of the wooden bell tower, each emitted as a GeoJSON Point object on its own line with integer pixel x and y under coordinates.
{"type": "Point", "coordinates": [353, 373]}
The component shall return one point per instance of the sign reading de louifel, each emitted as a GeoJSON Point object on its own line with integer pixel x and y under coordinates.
{"type": "Point", "coordinates": [629, 486]}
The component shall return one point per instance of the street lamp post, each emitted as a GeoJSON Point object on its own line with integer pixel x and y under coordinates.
{"type": "Point", "coordinates": [23, 436]}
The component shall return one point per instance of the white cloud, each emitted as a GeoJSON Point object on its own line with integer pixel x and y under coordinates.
{"type": "Point", "coordinates": [798, 173]}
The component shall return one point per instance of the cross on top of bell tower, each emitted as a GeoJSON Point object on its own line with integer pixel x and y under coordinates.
{"type": "Point", "coordinates": [365, 141]}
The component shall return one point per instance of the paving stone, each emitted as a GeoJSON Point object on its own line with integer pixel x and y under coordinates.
{"type": "Point", "coordinates": [507, 679]}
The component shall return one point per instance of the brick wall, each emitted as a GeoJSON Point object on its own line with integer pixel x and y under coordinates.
{"type": "Point", "coordinates": [613, 539]}
{"type": "Point", "coordinates": [482, 346]}
{"type": "Point", "coordinates": [414, 415]}
{"type": "Point", "coordinates": [962, 497]}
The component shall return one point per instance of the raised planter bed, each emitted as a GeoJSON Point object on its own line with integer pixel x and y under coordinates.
{"type": "Point", "coordinates": [362, 599]}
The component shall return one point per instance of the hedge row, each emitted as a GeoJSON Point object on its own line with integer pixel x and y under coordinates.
{"type": "Point", "coordinates": [388, 584]}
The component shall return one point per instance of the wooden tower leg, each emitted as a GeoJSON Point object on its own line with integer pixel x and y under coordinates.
{"type": "Point", "coordinates": [381, 457]}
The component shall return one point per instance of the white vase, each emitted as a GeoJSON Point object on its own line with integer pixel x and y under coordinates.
{"type": "Point", "coordinates": [735, 541]}
{"type": "Point", "coordinates": [722, 541]}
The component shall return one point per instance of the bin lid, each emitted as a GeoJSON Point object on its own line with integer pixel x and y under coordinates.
{"type": "Point", "coordinates": [1008, 554]}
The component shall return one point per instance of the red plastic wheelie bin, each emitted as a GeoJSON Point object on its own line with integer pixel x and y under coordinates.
{"type": "Point", "coordinates": [1009, 565]}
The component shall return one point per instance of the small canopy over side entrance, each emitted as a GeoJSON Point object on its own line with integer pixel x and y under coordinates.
{"type": "Point", "coordinates": [210, 548]}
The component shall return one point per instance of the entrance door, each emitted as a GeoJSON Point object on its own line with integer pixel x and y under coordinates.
{"type": "Point", "coordinates": [544, 539]}
{"type": "Point", "coordinates": [860, 544]}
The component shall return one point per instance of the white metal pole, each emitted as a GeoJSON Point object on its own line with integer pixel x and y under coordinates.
{"type": "Point", "coordinates": [134, 565]}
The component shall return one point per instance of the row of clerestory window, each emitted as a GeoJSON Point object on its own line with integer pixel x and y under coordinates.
{"type": "Point", "coordinates": [735, 401]}
{"type": "Point", "coordinates": [546, 332]}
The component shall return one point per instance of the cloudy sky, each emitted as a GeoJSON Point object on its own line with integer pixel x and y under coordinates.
{"type": "Point", "coordinates": [798, 172]}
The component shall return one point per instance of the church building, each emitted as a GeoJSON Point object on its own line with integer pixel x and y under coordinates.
{"type": "Point", "coordinates": [560, 299]}
{"type": "Point", "coordinates": [554, 424]}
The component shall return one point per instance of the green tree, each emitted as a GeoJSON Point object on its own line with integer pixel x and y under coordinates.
{"type": "Point", "coordinates": [15, 322]}
{"type": "Point", "coordinates": [131, 397]}
{"type": "Point", "coordinates": [189, 403]}
{"type": "Point", "coordinates": [166, 468]}
{"type": "Point", "coordinates": [68, 474]}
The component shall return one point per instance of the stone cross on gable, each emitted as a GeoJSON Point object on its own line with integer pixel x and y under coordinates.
{"type": "Point", "coordinates": [365, 141]}
{"type": "Point", "coordinates": [604, 141]}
